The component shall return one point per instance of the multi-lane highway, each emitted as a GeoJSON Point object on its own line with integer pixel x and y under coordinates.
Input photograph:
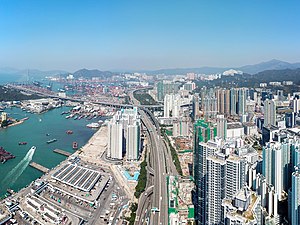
{"type": "Point", "coordinates": [162, 166]}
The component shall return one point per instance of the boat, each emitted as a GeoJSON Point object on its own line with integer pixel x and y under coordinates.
{"type": "Point", "coordinates": [51, 141]}
{"type": "Point", "coordinates": [75, 145]}
{"type": "Point", "coordinates": [93, 125]}
{"type": "Point", "coordinates": [69, 132]}
{"type": "Point", "coordinates": [32, 148]}
{"type": "Point", "coordinates": [4, 155]}
{"type": "Point", "coordinates": [22, 143]}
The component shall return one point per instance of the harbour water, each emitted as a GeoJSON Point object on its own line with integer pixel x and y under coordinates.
{"type": "Point", "coordinates": [36, 131]}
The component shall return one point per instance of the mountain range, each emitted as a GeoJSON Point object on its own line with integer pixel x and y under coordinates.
{"type": "Point", "coordinates": [249, 69]}
{"type": "Point", "coordinates": [273, 64]}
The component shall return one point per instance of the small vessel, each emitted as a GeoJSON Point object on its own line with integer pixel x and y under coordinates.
{"type": "Point", "coordinates": [69, 132]}
{"type": "Point", "coordinates": [51, 141]}
{"type": "Point", "coordinates": [22, 143]}
{"type": "Point", "coordinates": [93, 125]}
{"type": "Point", "coordinates": [26, 118]}
{"type": "Point", "coordinates": [32, 148]}
{"type": "Point", "coordinates": [47, 134]}
{"type": "Point", "coordinates": [75, 145]}
{"type": "Point", "coordinates": [4, 155]}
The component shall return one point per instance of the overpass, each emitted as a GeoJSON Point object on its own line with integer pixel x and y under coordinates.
{"type": "Point", "coordinates": [110, 104]}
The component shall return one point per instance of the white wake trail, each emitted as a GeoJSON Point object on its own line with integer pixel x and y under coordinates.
{"type": "Point", "coordinates": [16, 172]}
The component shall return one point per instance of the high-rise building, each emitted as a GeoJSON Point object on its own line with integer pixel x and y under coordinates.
{"type": "Point", "coordinates": [221, 126]}
{"type": "Point", "coordinates": [168, 105]}
{"type": "Point", "coordinates": [201, 152]}
{"type": "Point", "coordinates": [166, 87]}
{"type": "Point", "coordinates": [223, 99]}
{"type": "Point", "coordinates": [233, 101]}
{"type": "Point", "coordinates": [124, 135]}
{"type": "Point", "coordinates": [225, 177]}
{"type": "Point", "coordinates": [273, 166]}
{"type": "Point", "coordinates": [241, 103]}
{"type": "Point", "coordinates": [296, 105]}
{"type": "Point", "coordinates": [116, 140]}
{"type": "Point", "coordinates": [215, 191]}
{"type": "Point", "coordinates": [295, 199]}
{"type": "Point", "coordinates": [172, 105]}
{"type": "Point", "coordinates": [133, 141]}
{"type": "Point", "coordinates": [181, 126]}
{"type": "Point", "coordinates": [195, 107]}
{"type": "Point", "coordinates": [210, 109]}
{"type": "Point", "coordinates": [269, 113]}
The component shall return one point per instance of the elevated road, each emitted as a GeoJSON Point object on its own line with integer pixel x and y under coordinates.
{"type": "Point", "coordinates": [162, 165]}
{"type": "Point", "coordinates": [55, 95]}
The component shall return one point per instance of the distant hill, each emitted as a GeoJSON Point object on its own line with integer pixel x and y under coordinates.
{"type": "Point", "coordinates": [278, 75]}
{"type": "Point", "coordinates": [248, 80]}
{"type": "Point", "coordinates": [92, 73]}
{"type": "Point", "coordinates": [273, 64]}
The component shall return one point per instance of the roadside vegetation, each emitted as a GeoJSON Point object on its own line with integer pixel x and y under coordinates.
{"type": "Point", "coordinates": [133, 209]}
{"type": "Point", "coordinates": [173, 152]}
{"type": "Point", "coordinates": [140, 187]}
{"type": "Point", "coordinates": [144, 98]}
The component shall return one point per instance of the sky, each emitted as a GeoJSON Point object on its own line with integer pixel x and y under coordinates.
{"type": "Point", "coordinates": [146, 35]}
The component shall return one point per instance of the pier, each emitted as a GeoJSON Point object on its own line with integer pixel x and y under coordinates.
{"type": "Point", "coordinates": [39, 167]}
{"type": "Point", "coordinates": [62, 152]}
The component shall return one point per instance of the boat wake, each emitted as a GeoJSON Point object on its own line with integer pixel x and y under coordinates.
{"type": "Point", "coordinates": [16, 172]}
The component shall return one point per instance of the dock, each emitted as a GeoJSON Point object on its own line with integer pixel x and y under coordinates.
{"type": "Point", "coordinates": [39, 167]}
{"type": "Point", "coordinates": [62, 152]}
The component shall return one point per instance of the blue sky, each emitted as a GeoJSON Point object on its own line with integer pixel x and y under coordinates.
{"type": "Point", "coordinates": [113, 35]}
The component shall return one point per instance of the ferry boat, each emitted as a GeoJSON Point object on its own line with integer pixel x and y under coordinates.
{"type": "Point", "coordinates": [75, 145]}
{"type": "Point", "coordinates": [51, 141]}
{"type": "Point", "coordinates": [93, 125]}
{"type": "Point", "coordinates": [22, 143]}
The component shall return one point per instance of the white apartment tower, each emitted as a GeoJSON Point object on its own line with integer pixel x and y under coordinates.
{"type": "Point", "coordinates": [116, 141]}
{"type": "Point", "coordinates": [124, 135]}
{"type": "Point", "coordinates": [133, 141]}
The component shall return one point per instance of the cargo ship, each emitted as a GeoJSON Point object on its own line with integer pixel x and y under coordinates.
{"type": "Point", "coordinates": [51, 141]}
{"type": "Point", "coordinates": [4, 155]}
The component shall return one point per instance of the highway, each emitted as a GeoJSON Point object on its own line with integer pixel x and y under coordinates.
{"type": "Point", "coordinates": [55, 95]}
{"type": "Point", "coordinates": [162, 165]}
